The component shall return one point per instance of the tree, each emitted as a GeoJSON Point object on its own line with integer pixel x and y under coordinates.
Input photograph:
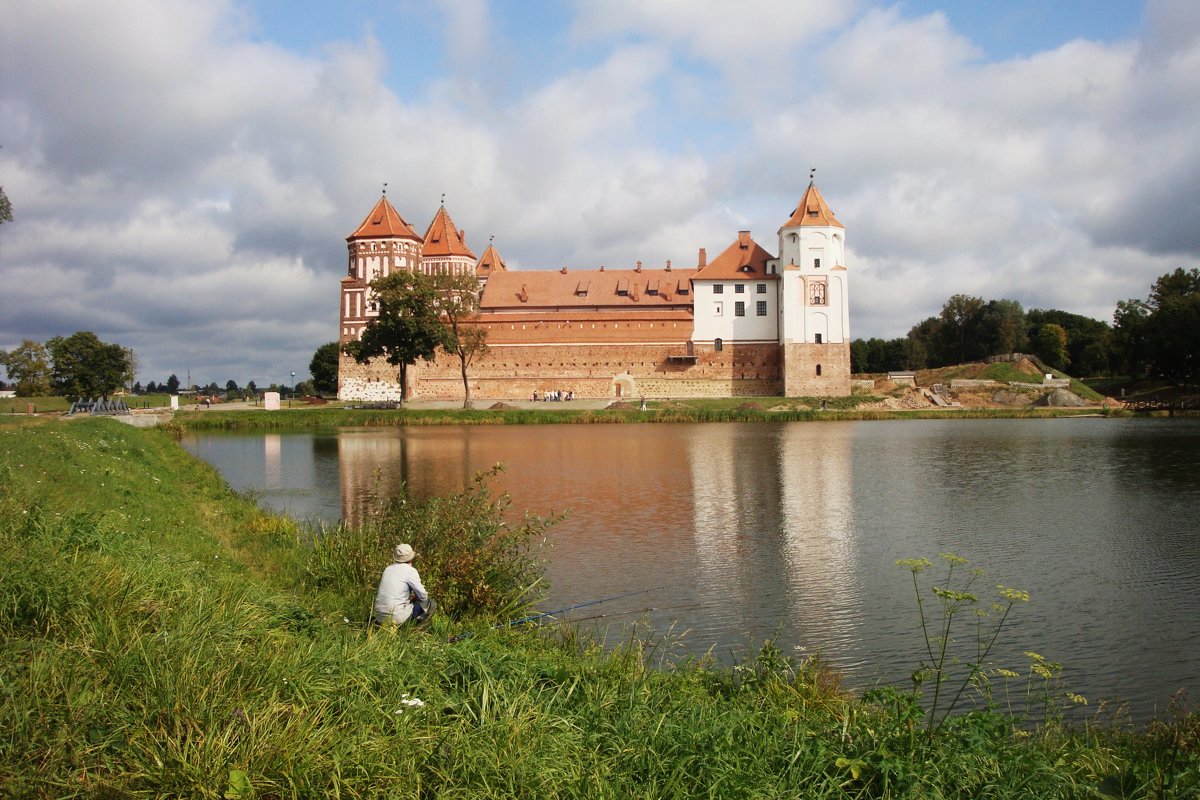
{"type": "Point", "coordinates": [28, 366]}
{"type": "Point", "coordinates": [173, 384]}
{"type": "Point", "coordinates": [152, 388]}
{"type": "Point", "coordinates": [84, 366]}
{"type": "Point", "coordinates": [921, 347]}
{"type": "Point", "coordinates": [1003, 327]}
{"type": "Point", "coordinates": [406, 327]}
{"type": "Point", "coordinates": [1050, 345]}
{"type": "Point", "coordinates": [961, 322]}
{"type": "Point", "coordinates": [1173, 326]}
{"type": "Point", "coordinates": [5, 207]}
{"type": "Point", "coordinates": [252, 388]}
{"type": "Point", "coordinates": [1089, 341]}
{"type": "Point", "coordinates": [1180, 284]}
{"type": "Point", "coordinates": [464, 338]}
{"type": "Point", "coordinates": [324, 368]}
{"type": "Point", "coordinates": [1163, 331]}
{"type": "Point", "coordinates": [231, 386]}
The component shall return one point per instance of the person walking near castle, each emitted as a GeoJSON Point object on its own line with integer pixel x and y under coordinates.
{"type": "Point", "coordinates": [401, 595]}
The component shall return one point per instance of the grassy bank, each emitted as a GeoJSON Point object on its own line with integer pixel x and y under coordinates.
{"type": "Point", "coordinates": [663, 411]}
{"type": "Point", "coordinates": [163, 637]}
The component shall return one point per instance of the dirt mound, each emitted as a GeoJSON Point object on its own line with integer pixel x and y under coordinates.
{"type": "Point", "coordinates": [622, 405]}
{"type": "Point", "coordinates": [1027, 367]}
{"type": "Point", "coordinates": [500, 406]}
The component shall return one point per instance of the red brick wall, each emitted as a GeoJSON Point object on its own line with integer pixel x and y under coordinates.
{"type": "Point", "coordinates": [514, 372]}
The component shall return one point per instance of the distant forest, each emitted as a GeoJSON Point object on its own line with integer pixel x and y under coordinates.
{"type": "Point", "coordinates": [1158, 336]}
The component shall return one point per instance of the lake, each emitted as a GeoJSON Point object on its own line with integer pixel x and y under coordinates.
{"type": "Point", "coordinates": [734, 533]}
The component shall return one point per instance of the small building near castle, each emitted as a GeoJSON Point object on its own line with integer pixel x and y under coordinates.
{"type": "Point", "coordinates": [746, 323]}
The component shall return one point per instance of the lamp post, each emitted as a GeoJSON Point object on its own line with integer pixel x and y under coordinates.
{"type": "Point", "coordinates": [293, 385]}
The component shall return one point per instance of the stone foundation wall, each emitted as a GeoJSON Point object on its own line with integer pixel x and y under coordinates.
{"type": "Point", "coordinates": [800, 376]}
{"type": "Point", "coordinates": [590, 371]}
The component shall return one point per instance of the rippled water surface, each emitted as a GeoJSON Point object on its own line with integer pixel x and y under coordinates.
{"type": "Point", "coordinates": [791, 531]}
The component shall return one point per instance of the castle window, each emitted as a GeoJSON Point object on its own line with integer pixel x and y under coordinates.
{"type": "Point", "coordinates": [818, 338]}
{"type": "Point", "coordinates": [817, 263]}
{"type": "Point", "coordinates": [739, 288]}
{"type": "Point", "coordinates": [761, 288]}
{"type": "Point", "coordinates": [718, 345]}
{"type": "Point", "coordinates": [623, 286]}
{"type": "Point", "coordinates": [818, 370]}
{"type": "Point", "coordinates": [739, 309]}
{"type": "Point", "coordinates": [718, 309]}
{"type": "Point", "coordinates": [582, 289]}
{"type": "Point", "coordinates": [760, 308]}
{"type": "Point", "coordinates": [719, 288]}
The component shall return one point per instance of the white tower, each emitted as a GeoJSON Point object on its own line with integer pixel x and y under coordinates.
{"type": "Point", "coordinates": [814, 324]}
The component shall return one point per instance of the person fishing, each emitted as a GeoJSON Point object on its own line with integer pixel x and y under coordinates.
{"type": "Point", "coordinates": [401, 595]}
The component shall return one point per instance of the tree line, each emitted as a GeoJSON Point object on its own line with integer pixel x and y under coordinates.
{"type": "Point", "coordinates": [81, 365]}
{"type": "Point", "coordinates": [1158, 336]}
{"type": "Point", "coordinates": [75, 366]}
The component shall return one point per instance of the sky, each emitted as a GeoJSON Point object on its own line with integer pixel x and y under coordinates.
{"type": "Point", "coordinates": [183, 173]}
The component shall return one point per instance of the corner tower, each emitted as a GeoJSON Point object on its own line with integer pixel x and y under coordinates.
{"type": "Point", "coordinates": [382, 244]}
{"type": "Point", "coordinates": [814, 324]}
{"type": "Point", "coordinates": [445, 250]}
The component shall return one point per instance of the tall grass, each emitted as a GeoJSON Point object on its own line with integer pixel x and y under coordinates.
{"type": "Point", "coordinates": [659, 412]}
{"type": "Point", "coordinates": [162, 637]}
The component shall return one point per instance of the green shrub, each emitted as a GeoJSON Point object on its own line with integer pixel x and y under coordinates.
{"type": "Point", "coordinates": [472, 559]}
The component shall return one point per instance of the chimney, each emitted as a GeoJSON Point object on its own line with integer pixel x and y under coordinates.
{"type": "Point", "coordinates": [639, 267]}
{"type": "Point", "coordinates": [668, 265]}
{"type": "Point", "coordinates": [563, 270]}
{"type": "Point", "coordinates": [462, 236]}
{"type": "Point", "coordinates": [703, 259]}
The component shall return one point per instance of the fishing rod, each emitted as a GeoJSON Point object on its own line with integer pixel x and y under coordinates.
{"type": "Point", "coordinates": [524, 620]}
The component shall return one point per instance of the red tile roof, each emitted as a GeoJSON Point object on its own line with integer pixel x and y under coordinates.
{"type": "Point", "coordinates": [383, 222]}
{"type": "Point", "coordinates": [745, 258]}
{"type": "Point", "coordinates": [812, 210]}
{"type": "Point", "coordinates": [443, 239]}
{"type": "Point", "coordinates": [565, 289]}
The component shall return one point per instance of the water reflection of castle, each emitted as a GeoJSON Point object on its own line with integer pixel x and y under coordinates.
{"type": "Point", "coordinates": [789, 485]}
{"type": "Point", "coordinates": [752, 509]}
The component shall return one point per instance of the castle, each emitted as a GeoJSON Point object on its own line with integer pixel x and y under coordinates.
{"type": "Point", "coordinates": [745, 323]}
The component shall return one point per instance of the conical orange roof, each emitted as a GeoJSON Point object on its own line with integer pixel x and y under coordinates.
{"type": "Point", "coordinates": [489, 262]}
{"type": "Point", "coordinates": [812, 210]}
{"type": "Point", "coordinates": [443, 239]}
{"type": "Point", "coordinates": [384, 221]}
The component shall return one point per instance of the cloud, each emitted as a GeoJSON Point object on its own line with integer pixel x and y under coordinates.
{"type": "Point", "coordinates": [183, 184]}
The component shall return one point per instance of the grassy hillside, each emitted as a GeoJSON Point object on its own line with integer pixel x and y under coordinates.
{"type": "Point", "coordinates": [162, 637]}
